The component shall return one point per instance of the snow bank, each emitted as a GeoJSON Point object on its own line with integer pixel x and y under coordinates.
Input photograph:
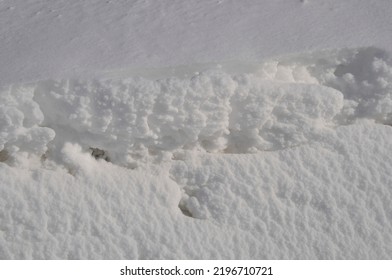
{"type": "Point", "coordinates": [284, 104]}
{"type": "Point", "coordinates": [291, 160]}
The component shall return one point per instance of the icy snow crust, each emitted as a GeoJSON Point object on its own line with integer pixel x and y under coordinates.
{"type": "Point", "coordinates": [290, 159]}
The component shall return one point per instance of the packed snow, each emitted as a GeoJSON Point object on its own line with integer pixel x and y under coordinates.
{"type": "Point", "coordinates": [286, 157]}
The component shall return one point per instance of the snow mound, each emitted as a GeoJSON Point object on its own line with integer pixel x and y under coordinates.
{"type": "Point", "coordinates": [285, 103]}
{"type": "Point", "coordinates": [363, 76]}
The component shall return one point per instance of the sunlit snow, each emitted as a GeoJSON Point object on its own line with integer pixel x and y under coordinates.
{"type": "Point", "coordinates": [286, 157]}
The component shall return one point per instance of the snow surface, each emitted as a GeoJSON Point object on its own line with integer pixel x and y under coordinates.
{"type": "Point", "coordinates": [116, 156]}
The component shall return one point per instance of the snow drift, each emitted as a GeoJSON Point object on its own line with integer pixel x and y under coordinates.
{"type": "Point", "coordinates": [284, 104]}
{"type": "Point", "coordinates": [289, 160]}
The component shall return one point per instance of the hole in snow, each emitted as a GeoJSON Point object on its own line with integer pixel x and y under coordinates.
{"type": "Point", "coordinates": [184, 209]}
{"type": "Point", "coordinates": [3, 155]}
{"type": "Point", "coordinates": [99, 154]}
{"type": "Point", "coordinates": [190, 206]}
{"type": "Point", "coordinates": [340, 70]}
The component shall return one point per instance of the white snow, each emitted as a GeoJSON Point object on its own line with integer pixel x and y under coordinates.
{"type": "Point", "coordinates": [109, 150]}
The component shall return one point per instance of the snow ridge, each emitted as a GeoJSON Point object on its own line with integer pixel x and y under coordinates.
{"type": "Point", "coordinates": [285, 103]}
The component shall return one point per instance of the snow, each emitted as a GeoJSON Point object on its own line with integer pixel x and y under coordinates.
{"type": "Point", "coordinates": [59, 39]}
{"type": "Point", "coordinates": [121, 137]}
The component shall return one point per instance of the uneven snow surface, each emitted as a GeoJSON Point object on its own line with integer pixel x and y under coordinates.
{"type": "Point", "coordinates": [290, 158]}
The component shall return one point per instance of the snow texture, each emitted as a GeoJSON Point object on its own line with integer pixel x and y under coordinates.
{"type": "Point", "coordinates": [290, 158]}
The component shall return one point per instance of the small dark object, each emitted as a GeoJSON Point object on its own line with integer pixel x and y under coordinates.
{"type": "Point", "coordinates": [3, 155]}
{"type": "Point", "coordinates": [99, 154]}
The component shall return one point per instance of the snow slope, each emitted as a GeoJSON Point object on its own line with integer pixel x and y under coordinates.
{"type": "Point", "coordinates": [288, 157]}
{"type": "Point", "coordinates": [314, 201]}
{"type": "Point", "coordinates": [43, 39]}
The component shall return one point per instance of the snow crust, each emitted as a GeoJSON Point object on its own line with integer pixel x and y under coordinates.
{"type": "Point", "coordinates": [289, 159]}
